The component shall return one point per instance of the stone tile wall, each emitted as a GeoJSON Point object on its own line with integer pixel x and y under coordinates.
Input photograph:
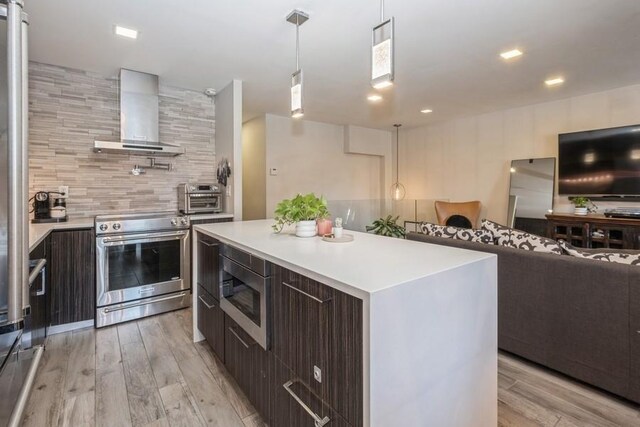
{"type": "Point", "coordinates": [69, 109]}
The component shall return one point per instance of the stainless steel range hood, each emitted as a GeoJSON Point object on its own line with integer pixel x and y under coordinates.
{"type": "Point", "coordinates": [138, 118]}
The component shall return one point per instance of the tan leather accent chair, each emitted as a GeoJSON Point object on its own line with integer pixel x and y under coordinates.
{"type": "Point", "coordinates": [469, 210]}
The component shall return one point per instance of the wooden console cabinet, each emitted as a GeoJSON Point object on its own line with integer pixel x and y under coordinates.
{"type": "Point", "coordinates": [595, 231]}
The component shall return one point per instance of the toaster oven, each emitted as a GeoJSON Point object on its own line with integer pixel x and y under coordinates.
{"type": "Point", "coordinates": [199, 198]}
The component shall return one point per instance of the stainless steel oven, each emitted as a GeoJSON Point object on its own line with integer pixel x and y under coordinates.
{"type": "Point", "coordinates": [142, 266]}
{"type": "Point", "coordinates": [199, 198]}
{"type": "Point", "coordinates": [244, 292]}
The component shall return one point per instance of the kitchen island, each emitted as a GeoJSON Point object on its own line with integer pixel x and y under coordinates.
{"type": "Point", "coordinates": [424, 315]}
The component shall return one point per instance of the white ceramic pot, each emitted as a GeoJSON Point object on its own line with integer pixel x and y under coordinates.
{"type": "Point", "coordinates": [306, 228]}
{"type": "Point", "coordinates": [580, 211]}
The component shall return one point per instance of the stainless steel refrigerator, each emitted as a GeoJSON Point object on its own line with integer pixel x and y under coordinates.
{"type": "Point", "coordinates": [18, 366]}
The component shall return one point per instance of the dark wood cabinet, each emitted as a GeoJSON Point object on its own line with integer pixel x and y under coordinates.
{"type": "Point", "coordinates": [595, 231]}
{"type": "Point", "coordinates": [294, 404]}
{"type": "Point", "coordinates": [317, 334]}
{"type": "Point", "coordinates": [208, 274]}
{"type": "Point", "coordinates": [211, 321]}
{"type": "Point", "coordinates": [248, 363]}
{"type": "Point", "coordinates": [72, 269]}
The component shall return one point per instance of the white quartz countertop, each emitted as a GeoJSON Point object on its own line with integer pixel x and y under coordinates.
{"type": "Point", "coordinates": [38, 232]}
{"type": "Point", "coordinates": [365, 266]}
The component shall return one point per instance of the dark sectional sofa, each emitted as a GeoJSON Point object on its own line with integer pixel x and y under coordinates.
{"type": "Point", "coordinates": [580, 317]}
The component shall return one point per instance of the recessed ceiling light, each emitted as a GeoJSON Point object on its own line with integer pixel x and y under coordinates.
{"type": "Point", "coordinates": [510, 54]}
{"type": "Point", "coordinates": [554, 81]}
{"type": "Point", "coordinates": [426, 111]}
{"type": "Point", "coordinates": [374, 98]}
{"type": "Point", "coordinates": [126, 32]}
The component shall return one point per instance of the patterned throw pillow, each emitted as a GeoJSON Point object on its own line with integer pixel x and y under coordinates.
{"type": "Point", "coordinates": [512, 238]}
{"type": "Point", "coordinates": [467, 234]}
{"type": "Point", "coordinates": [531, 242]}
{"type": "Point", "coordinates": [501, 234]}
{"type": "Point", "coordinates": [610, 255]}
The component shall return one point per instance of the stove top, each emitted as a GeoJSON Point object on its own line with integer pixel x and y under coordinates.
{"type": "Point", "coordinates": [140, 222]}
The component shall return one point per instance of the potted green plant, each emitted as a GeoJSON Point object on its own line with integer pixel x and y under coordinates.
{"type": "Point", "coordinates": [387, 227]}
{"type": "Point", "coordinates": [580, 205]}
{"type": "Point", "coordinates": [303, 211]}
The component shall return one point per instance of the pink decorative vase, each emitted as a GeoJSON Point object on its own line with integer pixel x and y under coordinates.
{"type": "Point", "coordinates": [324, 226]}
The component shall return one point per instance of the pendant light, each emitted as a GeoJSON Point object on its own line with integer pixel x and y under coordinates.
{"type": "Point", "coordinates": [397, 190]}
{"type": "Point", "coordinates": [298, 18]}
{"type": "Point", "coordinates": [382, 51]}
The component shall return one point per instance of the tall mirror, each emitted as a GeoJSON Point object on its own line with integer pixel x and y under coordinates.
{"type": "Point", "coordinates": [531, 194]}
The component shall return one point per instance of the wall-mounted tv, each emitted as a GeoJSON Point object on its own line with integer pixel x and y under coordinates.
{"type": "Point", "coordinates": [600, 163]}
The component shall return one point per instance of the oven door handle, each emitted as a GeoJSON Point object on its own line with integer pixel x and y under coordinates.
{"type": "Point", "coordinates": [146, 237]}
{"type": "Point", "coordinates": [137, 304]}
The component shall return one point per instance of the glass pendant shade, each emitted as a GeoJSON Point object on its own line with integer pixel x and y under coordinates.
{"type": "Point", "coordinates": [296, 95]}
{"type": "Point", "coordinates": [398, 191]}
{"type": "Point", "coordinates": [382, 55]}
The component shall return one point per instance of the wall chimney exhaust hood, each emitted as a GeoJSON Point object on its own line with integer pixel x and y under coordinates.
{"type": "Point", "coordinates": [139, 129]}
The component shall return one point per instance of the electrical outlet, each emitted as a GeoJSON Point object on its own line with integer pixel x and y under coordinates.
{"type": "Point", "coordinates": [64, 189]}
{"type": "Point", "coordinates": [273, 171]}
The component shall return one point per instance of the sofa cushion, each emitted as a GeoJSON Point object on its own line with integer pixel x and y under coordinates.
{"type": "Point", "coordinates": [467, 234]}
{"type": "Point", "coordinates": [501, 234]}
{"type": "Point", "coordinates": [510, 237]}
{"type": "Point", "coordinates": [605, 254]}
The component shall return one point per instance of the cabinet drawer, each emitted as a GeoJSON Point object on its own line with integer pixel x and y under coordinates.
{"type": "Point", "coordinates": [211, 321]}
{"type": "Point", "coordinates": [294, 404]}
{"type": "Point", "coordinates": [317, 334]}
{"type": "Point", "coordinates": [208, 276]}
{"type": "Point", "coordinates": [248, 364]}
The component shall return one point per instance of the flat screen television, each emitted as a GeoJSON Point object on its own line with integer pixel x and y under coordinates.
{"type": "Point", "coordinates": [600, 163]}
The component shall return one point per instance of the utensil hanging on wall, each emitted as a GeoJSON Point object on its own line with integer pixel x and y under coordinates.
{"type": "Point", "coordinates": [223, 172]}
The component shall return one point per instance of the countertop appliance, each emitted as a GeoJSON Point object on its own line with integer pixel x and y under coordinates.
{"type": "Point", "coordinates": [245, 290]}
{"type": "Point", "coordinates": [18, 366]}
{"type": "Point", "coordinates": [44, 212]}
{"type": "Point", "coordinates": [199, 198]}
{"type": "Point", "coordinates": [142, 265]}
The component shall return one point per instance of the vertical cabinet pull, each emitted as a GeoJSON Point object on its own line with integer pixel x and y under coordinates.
{"type": "Point", "coordinates": [235, 334]}
{"type": "Point", "coordinates": [319, 422]}
{"type": "Point", "coordinates": [318, 300]}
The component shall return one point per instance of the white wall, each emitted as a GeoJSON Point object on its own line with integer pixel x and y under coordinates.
{"type": "Point", "coordinates": [229, 143]}
{"type": "Point", "coordinates": [254, 166]}
{"type": "Point", "coordinates": [311, 157]}
{"type": "Point", "coordinates": [469, 158]}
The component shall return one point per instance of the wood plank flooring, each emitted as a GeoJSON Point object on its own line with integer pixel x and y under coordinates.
{"type": "Point", "coordinates": [150, 373]}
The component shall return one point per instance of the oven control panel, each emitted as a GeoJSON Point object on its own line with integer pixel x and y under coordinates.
{"type": "Point", "coordinates": [139, 223]}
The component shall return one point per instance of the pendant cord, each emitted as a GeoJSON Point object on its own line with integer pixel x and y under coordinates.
{"type": "Point", "coordinates": [397, 152]}
{"type": "Point", "coordinates": [297, 43]}
{"type": "Point", "coordinates": [381, 10]}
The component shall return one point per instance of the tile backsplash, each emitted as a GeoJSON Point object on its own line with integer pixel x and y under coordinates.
{"type": "Point", "coordinates": [69, 109]}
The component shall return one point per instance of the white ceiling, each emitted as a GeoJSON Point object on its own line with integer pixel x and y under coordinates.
{"type": "Point", "coordinates": [446, 51]}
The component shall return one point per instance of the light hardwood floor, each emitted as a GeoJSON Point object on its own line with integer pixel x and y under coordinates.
{"type": "Point", "coordinates": [150, 373]}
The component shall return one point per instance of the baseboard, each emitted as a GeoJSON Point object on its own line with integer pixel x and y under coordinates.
{"type": "Point", "coordinates": [59, 329]}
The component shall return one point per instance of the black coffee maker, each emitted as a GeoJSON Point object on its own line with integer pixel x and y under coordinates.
{"type": "Point", "coordinates": [41, 206]}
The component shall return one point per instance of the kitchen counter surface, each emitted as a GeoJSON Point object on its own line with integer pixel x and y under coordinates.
{"type": "Point", "coordinates": [38, 232]}
{"type": "Point", "coordinates": [365, 266]}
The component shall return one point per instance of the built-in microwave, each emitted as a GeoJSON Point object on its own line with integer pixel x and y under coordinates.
{"type": "Point", "coordinates": [244, 291]}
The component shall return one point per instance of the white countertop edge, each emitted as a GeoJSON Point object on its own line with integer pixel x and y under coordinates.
{"type": "Point", "coordinates": [343, 287]}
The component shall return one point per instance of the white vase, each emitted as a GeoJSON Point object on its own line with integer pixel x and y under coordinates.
{"type": "Point", "coordinates": [306, 228]}
{"type": "Point", "coordinates": [580, 211]}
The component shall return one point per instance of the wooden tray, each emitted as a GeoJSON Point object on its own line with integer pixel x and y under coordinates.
{"type": "Point", "coordinates": [344, 239]}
